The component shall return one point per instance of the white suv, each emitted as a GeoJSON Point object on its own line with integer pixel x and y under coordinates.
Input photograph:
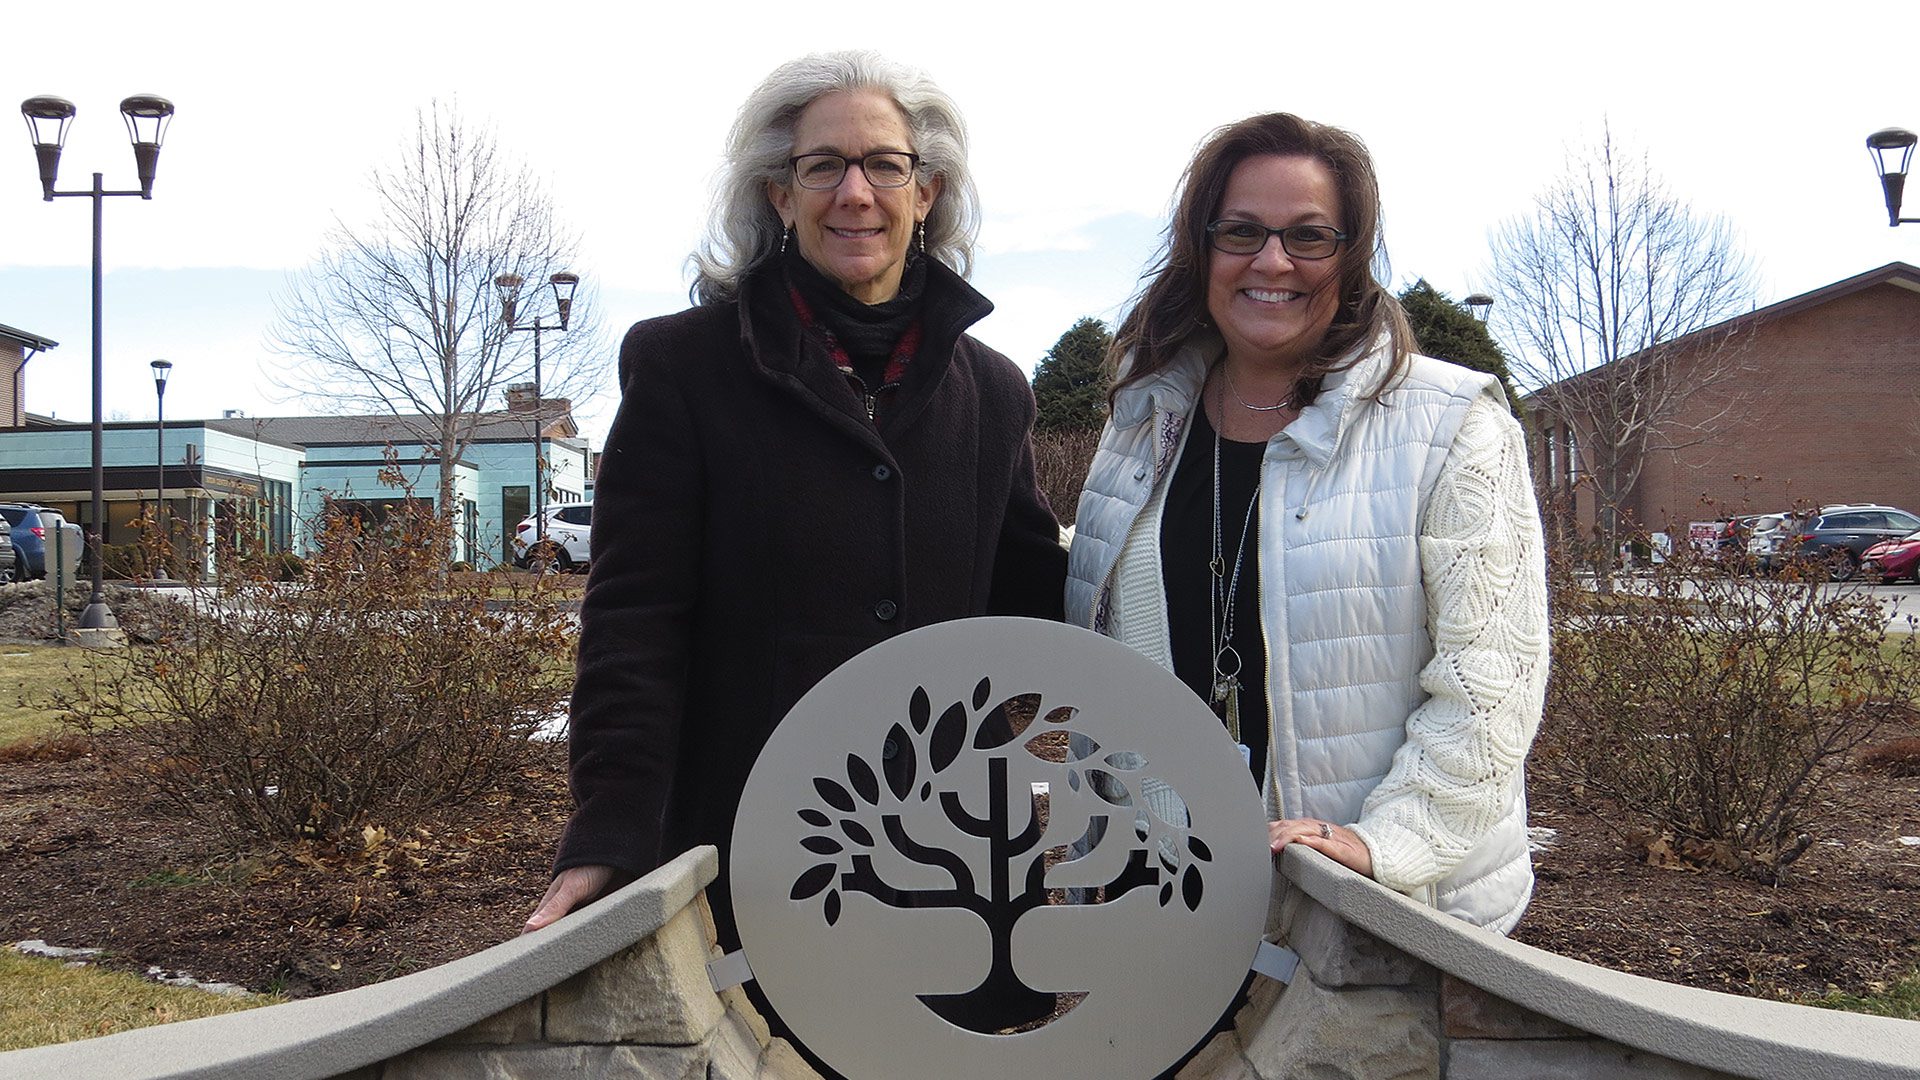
{"type": "Point", "coordinates": [569, 524]}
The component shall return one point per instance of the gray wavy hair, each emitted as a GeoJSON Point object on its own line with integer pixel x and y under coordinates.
{"type": "Point", "coordinates": [744, 230]}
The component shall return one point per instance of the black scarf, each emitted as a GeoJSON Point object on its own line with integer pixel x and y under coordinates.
{"type": "Point", "coordinates": [867, 331]}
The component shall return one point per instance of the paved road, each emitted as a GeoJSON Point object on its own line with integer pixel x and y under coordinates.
{"type": "Point", "coordinates": [1901, 602]}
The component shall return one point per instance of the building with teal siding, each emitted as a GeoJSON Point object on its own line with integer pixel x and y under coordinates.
{"type": "Point", "coordinates": [267, 480]}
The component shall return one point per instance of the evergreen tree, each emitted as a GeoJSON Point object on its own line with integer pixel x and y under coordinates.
{"type": "Point", "coordinates": [1446, 330]}
{"type": "Point", "coordinates": [1070, 385]}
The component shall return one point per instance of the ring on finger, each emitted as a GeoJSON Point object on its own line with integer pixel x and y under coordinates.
{"type": "Point", "coordinates": [1326, 831]}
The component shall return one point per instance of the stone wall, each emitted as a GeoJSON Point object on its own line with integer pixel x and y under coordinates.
{"type": "Point", "coordinates": [646, 1011]}
{"type": "Point", "coordinates": [1360, 1008]}
{"type": "Point", "coordinates": [1385, 989]}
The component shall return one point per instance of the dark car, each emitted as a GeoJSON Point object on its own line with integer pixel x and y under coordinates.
{"type": "Point", "coordinates": [34, 530]}
{"type": "Point", "coordinates": [1838, 536]}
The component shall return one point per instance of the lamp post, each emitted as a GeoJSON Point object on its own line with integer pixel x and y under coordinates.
{"type": "Point", "coordinates": [161, 369]}
{"type": "Point", "coordinates": [1892, 152]}
{"type": "Point", "coordinates": [48, 118]}
{"type": "Point", "coordinates": [1479, 304]}
{"type": "Point", "coordinates": [508, 286]}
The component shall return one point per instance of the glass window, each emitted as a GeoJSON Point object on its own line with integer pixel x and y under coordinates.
{"type": "Point", "coordinates": [516, 502]}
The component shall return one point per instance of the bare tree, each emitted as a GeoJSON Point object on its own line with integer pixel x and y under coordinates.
{"type": "Point", "coordinates": [1616, 294]}
{"type": "Point", "coordinates": [400, 316]}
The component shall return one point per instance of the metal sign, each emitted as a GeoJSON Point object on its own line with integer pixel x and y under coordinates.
{"type": "Point", "coordinates": [909, 838]}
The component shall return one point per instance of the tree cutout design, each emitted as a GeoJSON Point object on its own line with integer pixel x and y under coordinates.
{"type": "Point", "coordinates": [859, 813]}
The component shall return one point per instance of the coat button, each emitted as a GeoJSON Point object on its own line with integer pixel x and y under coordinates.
{"type": "Point", "coordinates": [882, 472]}
{"type": "Point", "coordinates": [1140, 473]}
{"type": "Point", "coordinates": [885, 610]}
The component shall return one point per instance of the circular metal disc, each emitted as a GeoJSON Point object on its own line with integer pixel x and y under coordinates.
{"type": "Point", "coordinates": [899, 902]}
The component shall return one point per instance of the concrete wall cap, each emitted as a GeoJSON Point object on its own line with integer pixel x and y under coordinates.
{"type": "Point", "coordinates": [1739, 1035]}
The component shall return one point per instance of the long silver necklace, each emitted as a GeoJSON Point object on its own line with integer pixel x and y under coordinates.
{"type": "Point", "coordinates": [1227, 372]}
{"type": "Point", "coordinates": [1223, 588]}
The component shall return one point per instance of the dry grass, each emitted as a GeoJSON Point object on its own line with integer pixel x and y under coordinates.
{"type": "Point", "coordinates": [44, 1001]}
{"type": "Point", "coordinates": [30, 676]}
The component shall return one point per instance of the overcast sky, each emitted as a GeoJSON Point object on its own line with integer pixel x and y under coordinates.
{"type": "Point", "coordinates": [1082, 117]}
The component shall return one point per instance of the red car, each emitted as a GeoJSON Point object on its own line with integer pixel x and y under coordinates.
{"type": "Point", "coordinates": [1891, 560]}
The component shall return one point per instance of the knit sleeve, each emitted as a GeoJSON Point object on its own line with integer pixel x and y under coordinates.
{"type": "Point", "coordinates": [1484, 571]}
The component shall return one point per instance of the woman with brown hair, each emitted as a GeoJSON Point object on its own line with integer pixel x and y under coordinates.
{"type": "Point", "coordinates": [1331, 539]}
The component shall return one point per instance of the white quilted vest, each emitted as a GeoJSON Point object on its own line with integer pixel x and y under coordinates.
{"type": "Point", "coordinates": [1343, 493]}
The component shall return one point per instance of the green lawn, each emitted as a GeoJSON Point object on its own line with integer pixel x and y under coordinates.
{"type": "Point", "coordinates": [1900, 1001]}
{"type": "Point", "coordinates": [43, 1001]}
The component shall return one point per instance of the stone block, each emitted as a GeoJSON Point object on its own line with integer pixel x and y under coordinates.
{"type": "Point", "coordinates": [513, 1024]}
{"type": "Point", "coordinates": [1468, 1012]}
{"type": "Point", "coordinates": [1339, 954]}
{"type": "Point", "coordinates": [655, 992]}
{"type": "Point", "coordinates": [740, 1005]}
{"type": "Point", "coordinates": [1345, 1033]}
{"type": "Point", "coordinates": [732, 1051]}
{"type": "Point", "coordinates": [547, 1062]}
{"type": "Point", "coordinates": [1220, 1059]}
{"type": "Point", "coordinates": [1564, 1059]}
{"type": "Point", "coordinates": [783, 1062]}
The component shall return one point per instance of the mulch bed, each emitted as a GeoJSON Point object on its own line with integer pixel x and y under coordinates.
{"type": "Point", "coordinates": [80, 866]}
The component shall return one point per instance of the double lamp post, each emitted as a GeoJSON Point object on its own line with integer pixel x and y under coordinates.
{"type": "Point", "coordinates": [48, 118]}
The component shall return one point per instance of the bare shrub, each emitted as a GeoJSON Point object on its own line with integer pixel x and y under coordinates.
{"type": "Point", "coordinates": [373, 686]}
{"type": "Point", "coordinates": [1719, 705]}
{"type": "Point", "coordinates": [1060, 461]}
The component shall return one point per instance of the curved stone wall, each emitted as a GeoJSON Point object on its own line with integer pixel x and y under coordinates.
{"type": "Point", "coordinates": [1385, 988]}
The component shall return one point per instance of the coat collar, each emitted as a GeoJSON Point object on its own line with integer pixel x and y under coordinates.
{"type": "Point", "coordinates": [780, 349]}
{"type": "Point", "coordinates": [772, 335]}
{"type": "Point", "coordinates": [1317, 431]}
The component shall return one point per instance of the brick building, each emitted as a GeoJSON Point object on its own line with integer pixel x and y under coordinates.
{"type": "Point", "coordinates": [16, 348]}
{"type": "Point", "coordinates": [1824, 408]}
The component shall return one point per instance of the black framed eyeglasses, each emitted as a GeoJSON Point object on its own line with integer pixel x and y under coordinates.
{"type": "Point", "coordinates": [1300, 241]}
{"type": "Point", "coordinates": [883, 169]}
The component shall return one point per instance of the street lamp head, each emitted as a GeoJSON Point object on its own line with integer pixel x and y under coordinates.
{"type": "Point", "coordinates": [563, 284]}
{"type": "Point", "coordinates": [508, 286]}
{"type": "Point", "coordinates": [147, 118]}
{"type": "Point", "coordinates": [161, 369]}
{"type": "Point", "coordinates": [1892, 150]}
{"type": "Point", "coordinates": [1480, 304]}
{"type": "Point", "coordinates": [47, 120]}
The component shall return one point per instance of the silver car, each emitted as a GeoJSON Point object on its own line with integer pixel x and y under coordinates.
{"type": "Point", "coordinates": [1766, 536]}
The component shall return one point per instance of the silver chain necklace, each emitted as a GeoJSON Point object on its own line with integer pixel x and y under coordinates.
{"type": "Point", "coordinates": [1223, 587]}
{"type": "Point", "coordinates": [1227, 377]}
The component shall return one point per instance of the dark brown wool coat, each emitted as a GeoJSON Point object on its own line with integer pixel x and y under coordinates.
{"type": "Point", "coordinates": [753, 529]}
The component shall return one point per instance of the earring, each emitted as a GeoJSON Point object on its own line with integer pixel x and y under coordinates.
{"type": "Point", "coordinates": [784, 234]}
{"type": "Point", "coordinates": [921, 228]}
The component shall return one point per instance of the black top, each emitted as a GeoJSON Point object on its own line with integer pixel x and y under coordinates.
{"type": "Point", "coordinates": [1186, 549]}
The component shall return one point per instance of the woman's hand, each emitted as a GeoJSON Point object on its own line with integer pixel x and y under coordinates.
{"type": "Point", "coordinates": [1336, 842]}
{"type": "Point", "coordinates": [571, 888]}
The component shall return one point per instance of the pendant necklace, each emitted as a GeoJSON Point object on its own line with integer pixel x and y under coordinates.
{"type": "Point", "coordinates": [1221, 593]}
{"type": "Point", "coordinates": [1227, 377]}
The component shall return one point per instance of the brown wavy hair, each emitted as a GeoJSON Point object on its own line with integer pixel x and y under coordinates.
{"type": "Point", "coordinates": [1172, 306]}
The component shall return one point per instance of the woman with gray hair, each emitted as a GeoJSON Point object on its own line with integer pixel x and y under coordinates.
{"type": "Point", "coordinates": [812, 460]}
